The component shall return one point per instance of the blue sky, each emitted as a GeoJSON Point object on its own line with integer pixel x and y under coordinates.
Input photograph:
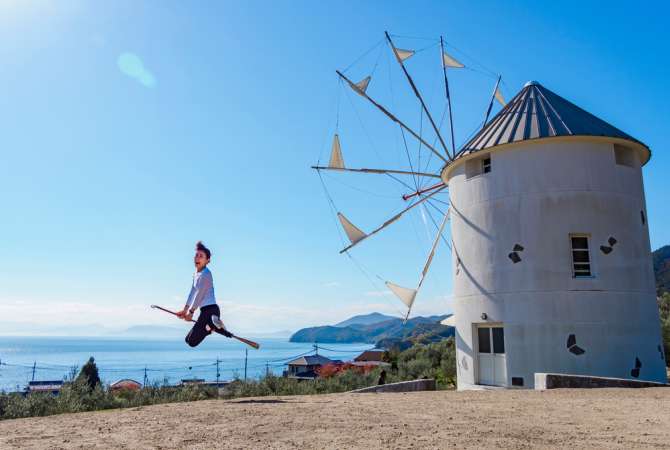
{"type": "Point", "coordinates": [132, 129]}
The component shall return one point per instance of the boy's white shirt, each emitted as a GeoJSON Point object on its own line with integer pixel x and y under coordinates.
{"type": "Point", "coordinates": [202, 290]}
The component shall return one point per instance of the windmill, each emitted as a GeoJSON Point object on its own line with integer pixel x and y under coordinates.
{"type": "Point", "coordinates": [441, 150]}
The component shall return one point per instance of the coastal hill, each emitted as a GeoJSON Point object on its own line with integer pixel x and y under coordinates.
{"type": "Point", "coordinates": [366, 319]}
{"type": "Point", "coordinates": [385, 333]}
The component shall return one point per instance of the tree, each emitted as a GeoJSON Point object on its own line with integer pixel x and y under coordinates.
{"type": "Point", "coordinates": [664, 312]}
{"type": "Point", "coordinates": [89, 374]}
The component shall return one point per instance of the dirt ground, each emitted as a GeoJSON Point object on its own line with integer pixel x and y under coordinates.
{"type": "Point", "coordinates": [597, 418]}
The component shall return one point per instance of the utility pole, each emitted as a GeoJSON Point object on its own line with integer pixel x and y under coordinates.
{"type": "Point", "coordinates": [34, 367]}
{"type": "Point", "coordinates": [267, 369]}
{"type": "Point", "coordinates": [146, 378]}
{"type": "Point", "coordinates": [218, 374]}
{"type": "Point", "coordinates": [246, 355]}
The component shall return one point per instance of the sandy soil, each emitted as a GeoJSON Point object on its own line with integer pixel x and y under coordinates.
{"type": "Point", "coordinates": [598, 418]}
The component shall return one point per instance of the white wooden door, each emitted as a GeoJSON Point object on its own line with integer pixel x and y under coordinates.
{"type": "Point", "coordinates": [491, 356]}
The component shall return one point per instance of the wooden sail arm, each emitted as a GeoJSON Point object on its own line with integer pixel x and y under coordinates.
{"type": "Point", "coordinates": [429, 260]}
{"type": "Point", "coordinates": [488, 111]}
{"type": "Point", "coordinates": [422, 191]}
{"type": "Point", "coordinates": [493, 97]}
{"type": "Point", "coordinates": [391, 116]}
{"type": "Point", "coordinates": [418, 95]}
{"type": "Point", "coordinates": [377, 171]}
{"type": "Point", "coordinates": [391, 220]}
{"type": "Point", "coordinates": [446, 88]}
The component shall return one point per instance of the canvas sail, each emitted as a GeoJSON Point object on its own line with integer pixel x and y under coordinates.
{"type": "Point", "coordinates": [362, 85]}
{"type": "Point", "coordinates": [499, 96]}
{"type": "Point", "coordinates": [336, 161]}
{"type": "Point", "coordinates": [353, 233]}
{"type": "Point", "coordinates": [403, 54]}
{"type": "Point", "coordinates": [407, 296]}
{"type": "Point", "coordinates": [450, 61]}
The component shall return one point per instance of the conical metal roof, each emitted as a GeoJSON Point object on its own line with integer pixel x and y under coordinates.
{"type": "Point", "coordinates": [536, 113]}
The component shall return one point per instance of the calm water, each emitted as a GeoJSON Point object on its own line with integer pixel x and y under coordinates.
{"type": "Point", "coordinates": [167, 360]}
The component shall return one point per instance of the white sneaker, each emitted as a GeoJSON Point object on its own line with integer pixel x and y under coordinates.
{"type": "Point", "coordinates": [217, 322]}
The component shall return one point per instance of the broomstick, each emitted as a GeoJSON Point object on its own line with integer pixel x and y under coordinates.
{"type": "Point", "coordinates": [246, 341]}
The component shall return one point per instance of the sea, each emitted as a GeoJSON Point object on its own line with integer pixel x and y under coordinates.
{"type": "Point", "coordinates": [157, 360]}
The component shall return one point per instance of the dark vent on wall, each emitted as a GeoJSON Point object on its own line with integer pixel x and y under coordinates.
{"type": "Point", "coordinates": [635, 372]}
{"type": "Point", "coordinates": [517, 381]}
{"type": "Point", "coordinates": [573, 347]}
{"type": "Point", "coordinates": [514, 256]}
{"type": "Point", "coordinates": [607, 249]}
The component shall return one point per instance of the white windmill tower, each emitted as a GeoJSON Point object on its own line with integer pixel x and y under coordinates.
{"type": "Point", "coordinates": [550, 247]}
{"type": "Point", "coordinates": [552, 260]}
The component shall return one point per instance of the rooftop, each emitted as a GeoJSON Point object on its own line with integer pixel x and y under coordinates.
{"type": "Point", "coordinates": [310, 360]}
{"type": "Point", "coordinates": [536, 113]}
{"type": "Point", "coordinates": [370, 355]}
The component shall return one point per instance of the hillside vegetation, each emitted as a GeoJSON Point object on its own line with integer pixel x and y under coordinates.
{"type": "Point", "coordinates": [661, 258]}
{"type": "Point", "coordinates": [87, 393]}
{"type": "Point", "coordinates": [381, 333]}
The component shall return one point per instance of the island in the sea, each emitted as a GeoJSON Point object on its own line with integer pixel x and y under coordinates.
{"type": "Point", "coordinates": [379, 329]}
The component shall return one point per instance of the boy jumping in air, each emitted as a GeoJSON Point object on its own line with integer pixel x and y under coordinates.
{"type": "Point", "coordinates": [202, 296]}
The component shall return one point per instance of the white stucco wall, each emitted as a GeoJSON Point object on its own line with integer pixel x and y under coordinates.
{"type": "Point", "coordinates": [536, 195]}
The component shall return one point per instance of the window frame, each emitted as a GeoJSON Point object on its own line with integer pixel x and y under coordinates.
{"type": "Point", "coordinates": [489, 344]}
{"type": "Point", "coordinates": [486, 164]}
{"type": "Point", "coordinates": [479, 166]}
{"type": "Point", "coordinates": [580, 273]}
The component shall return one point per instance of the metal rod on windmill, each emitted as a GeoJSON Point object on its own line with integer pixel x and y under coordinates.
{"type": "Point", "coordinates": [336, 163]}
{"type": "Point", "coordinates": [422, 191]}
{"type": "Point", "coordinates": [402, 55]}
{"type": "Point", "coordinates": [355, 235]}
{"type": "Point", "coordinates": [497, 95]}
{"type": "Point", "coordinates": [407, 295]}
{"type": "Point", "coordinates": [449, 61]}
{"type": "Point", "coordinates": [360, 88]}
{"type": "Point", "coordinates": [377, 171]}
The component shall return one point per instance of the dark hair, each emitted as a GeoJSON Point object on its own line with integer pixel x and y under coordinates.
{"type": "Point", "coordinates": [199, 246]}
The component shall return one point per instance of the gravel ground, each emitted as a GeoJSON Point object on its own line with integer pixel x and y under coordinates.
{"type": "Point", "coordinates": [597, 418]}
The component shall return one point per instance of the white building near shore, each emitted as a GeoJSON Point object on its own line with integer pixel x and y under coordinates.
{"type": "Point", "coordinates": [551, 253]}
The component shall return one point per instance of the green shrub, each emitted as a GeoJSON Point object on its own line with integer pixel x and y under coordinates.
{"type": "Point", "coordinates": [436, 360]}
{"type": "Point", "coordinates": [664, 312]}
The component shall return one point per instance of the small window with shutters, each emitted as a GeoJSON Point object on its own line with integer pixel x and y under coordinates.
{"type": "Point", "coordinates": [581, 257]}
{"type": "Point", "coordinates": [486, 165]}
{"type": "Point", "coordinates": [478, 166]}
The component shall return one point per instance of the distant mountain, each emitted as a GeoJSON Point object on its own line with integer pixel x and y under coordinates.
{"type": "Point", "coordinates": [386, 331]}
{"type": "Point", "coordinates": [329, 334]}
{"type": "Point", "coordinates": [153, 331]}
{"type": "Point", "coordinates": [365, 319]}
{"type": "Point", "coordinates": [661, 258]}
{"type": "Point", "coordinates": [27, 329]}
{"type": "Point", "coordinates": [272, 334]}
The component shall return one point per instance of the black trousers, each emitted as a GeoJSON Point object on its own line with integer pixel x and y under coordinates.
{"type": "Point", "coordinates": [198, 333]}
